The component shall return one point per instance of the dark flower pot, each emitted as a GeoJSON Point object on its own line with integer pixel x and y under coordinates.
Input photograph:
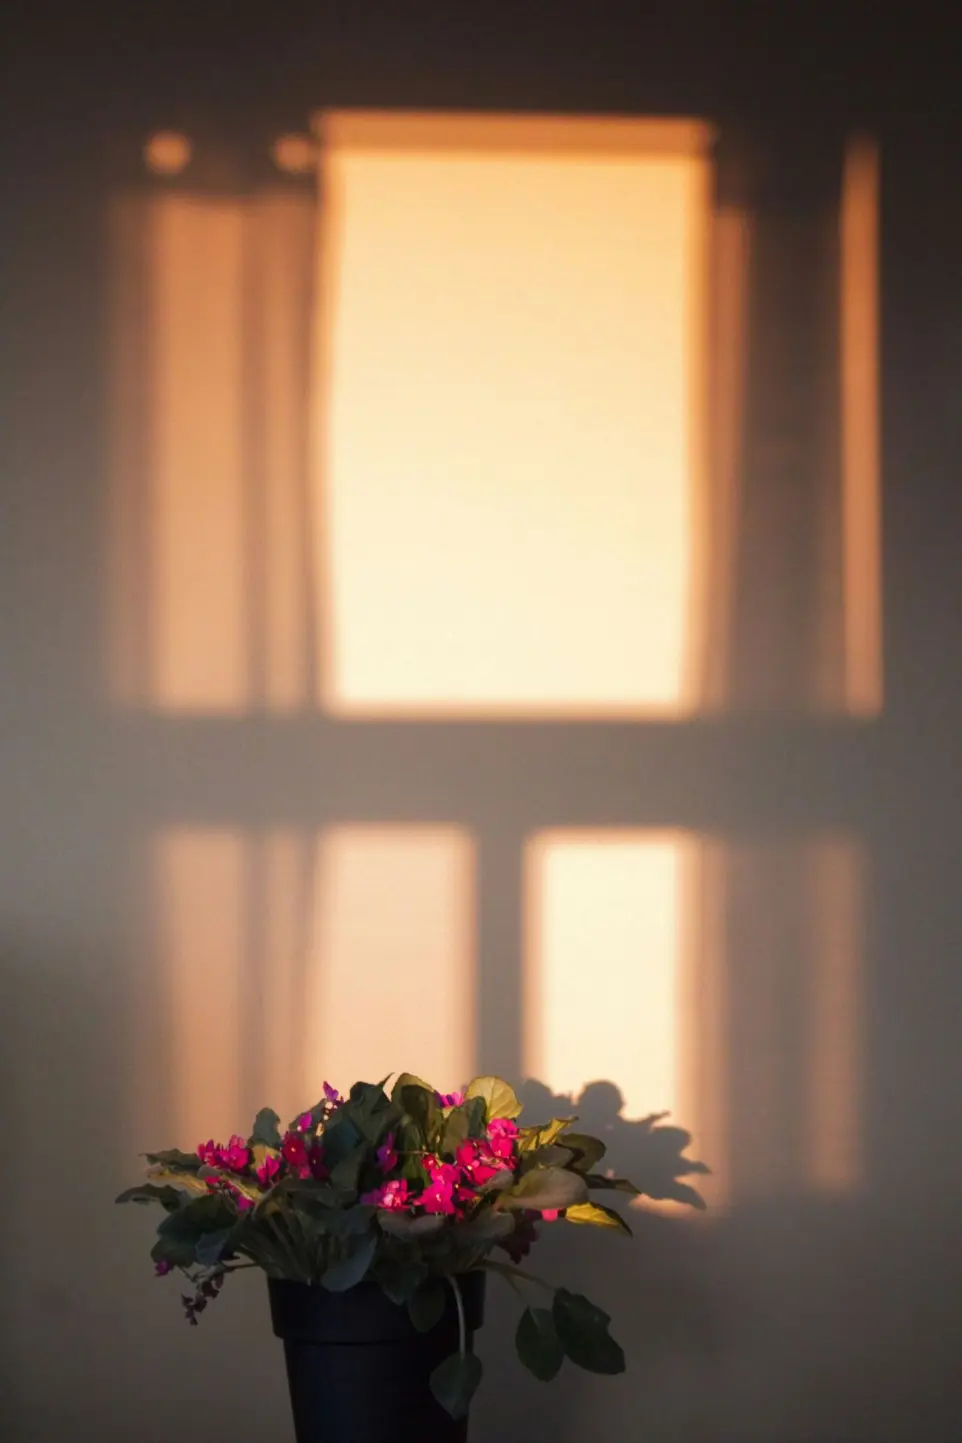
{"type": "Point", "coordinates": [358, 1370]}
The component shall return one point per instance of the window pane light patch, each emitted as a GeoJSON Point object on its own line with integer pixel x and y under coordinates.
{"type": "Point", "coordinates": [393, 955]}
{"type": "Point", "coordinates": [603, 964]}
{"type": "Point", "coordinates": [510, 424]}
{"type": "Point", "coordinates": [206, 497]}
{"type": "Point", "coordinates": [195, 1020]}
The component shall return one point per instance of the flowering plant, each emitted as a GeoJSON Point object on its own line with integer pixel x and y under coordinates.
{"type": "Point", "coordinates": [409, 1188]}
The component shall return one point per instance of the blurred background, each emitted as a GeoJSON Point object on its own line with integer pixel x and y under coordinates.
{"type": "Point", "coordinates": [480, 579]}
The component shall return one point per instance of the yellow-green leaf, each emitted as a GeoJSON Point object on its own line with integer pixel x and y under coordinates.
{"type": "Point", "coordinates": [598, 1216]}
{"type": "Point", "coordinates": [533, 1137]}
{"type": "Point", "coordinates": [499, 1097]}
{"type": "Point", "coordinates": [546, 1189]}
{"type": "Point", "coordinates": [186, 1181]}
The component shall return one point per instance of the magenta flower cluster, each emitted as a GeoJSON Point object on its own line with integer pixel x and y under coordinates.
{"type": "Point", "coordinates": [448, 1189]}
{"type": "Point", "coordinates": [451, 1188]}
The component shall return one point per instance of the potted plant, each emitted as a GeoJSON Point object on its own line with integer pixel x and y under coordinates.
{"type": "Point", "coordinates": [377, 1218]}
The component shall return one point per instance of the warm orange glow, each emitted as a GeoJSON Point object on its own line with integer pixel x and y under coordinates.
{"type": "Point", "coordinates": [717, 535]}
{"type": "Point", "coordinates": [168, 152]}
{"type": "Point", "coordinates": [720, 982]}
{"type": "Point", "coordinates": [209, 558]}
{"type": "Point", "coordinates": [860, 428]}
{"type": "Point", "coordinates": [295, 154]}
{"type": "Point", "coordinates": [603, 964]}
{"type": "Point", "coordinates": [198, 879]}
{"type": "Point", "coordinates": [198, 630]}
{"type": "Point", "coordinates": [393, 970]}
{"type": "Point", "coordinates": [510, 449]}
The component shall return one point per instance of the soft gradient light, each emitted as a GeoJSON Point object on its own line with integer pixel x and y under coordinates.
{"type": "Point", "coordinates": [861, 463]}
{"type": "Point", "coordinates": [393, 978]}
{"type": "Point", "coordinates": [603, 964]}
{"type": "Point", "coordinates": [194, 1008]}
{"type": "Point", "coordinates": [208, 597]}
{"type": "Point", "coordinates": [511, 425]}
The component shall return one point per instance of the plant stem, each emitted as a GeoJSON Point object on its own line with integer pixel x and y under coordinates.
{"type": "Point", "coordinates": [509, 1271]}
{"type": "Point", "coordinates": [462, 1327]}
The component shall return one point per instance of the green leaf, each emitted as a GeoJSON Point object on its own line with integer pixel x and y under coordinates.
{"type": "Point", "coordinates": [537, 1343]}
{"type": "Point", "coordinates": [462, 1122]}
{"type": "Point", "coordinates": [168, 1197]}
{"type": "Point", "coordinates": [600, 1183]}
{"type": "Point", "coordinates": [371, 1111]}
{"type": "Point", "coordinates": [186, 1182]}
{"type": "Point", "coordinates": [598, 1216]}
{"type": "Point", "coordinates": [488, 1226]}
{"type": "Point", "coordinates": [420, 1105]}
{"type": "Point", "coordinates": [210, 1248]}
{"type": "Point", "coordinates": [499, 1097]}
{"type": "Point", "coordinates": [350, 1222]}
{"type": "Point", "coordinates": [402, 1225]}
{"type": "Point", "coordinates": [547, 1188]}
{"type": "Point", "coordinates": [346, 1174]}
{"type": "Point", "coordinates": [582, 1330]}
{"type": "Point", "coordinates": [500, 1182]}
{"type": "Point", "coordinates": [266, 1129]}
{"type": "Point", "coordinates": [455, 1130]}
{"type": "Point", "coordinates": [351, 1270]}
{"type": "Point", "coordinates": [408, 1079]}
{"type": "Point", "coordinates": [341, 1137]}
{"type": "Point", "coordinates": [455, 1382]}
{"type": "Point", "coordinates": [588, 1150]}
{"type": "Point", "coordinates": [306, 1192]}
{"type": "Point", "coordinates": [534, 1137]}
{"type": "Point", "coordinates": [180, 1231]}
{"type": "Point", "coordinates": [426, 1306]}
{"type": "Point", "coordinates": [174, 1158]}
{"type": "Point", "coordinates": [550, 1156]}
{"type": "Point", "coordinates": [400, 1280]}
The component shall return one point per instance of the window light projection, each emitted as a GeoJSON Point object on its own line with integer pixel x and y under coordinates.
{"type": "Point", "coordinates": [197, 996]}
{"type": "Point", "coordinates": [463, 432]}
{"type": "Point", "coordinates": [393, 954]}
{"type": "Point", "coordinates": [283, 958]}
{"type": "Point", "coordinates": [719, 982]}
{"type": "Point", "coordinates": [603, 964]}
{"type": "Point", "coordinates": [859, 341]}
{"type": "Point", "coordinates": [209, 321]}
{"type": "Point", "coordinates": [510, 412]}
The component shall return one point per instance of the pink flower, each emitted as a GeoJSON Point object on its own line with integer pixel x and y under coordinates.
{"type": "Point", "coordinates": [438, 1196]}
{"type": "Point", "coordinates": [235, 1156]}
{"type": "Point", "coordinates": [450, 1099]}
{"type": "Point", "coordinates": [386, 1154]}
{"type": "Point", "coordinates": [476, 1166]}
{"type": "Point", "coordinates": [550, 1215]}
{"type": "Point", "coordinates": [294, 1152]}
{"type": "Point", "coordinates": [502, 1135]}
{"type": "Point", "coordinates": [162, 1269]}
{"type": "Point", "coordinates": [393, 1196]}
{"type": "Point", "coordinates": [305, 1123]}
{"type": "Point", "coordinates": [332, 1094]}
{"type": "Point", "coordinates": [318, 1168]}
{"type": "Point", "coordinates": [268, 1171]}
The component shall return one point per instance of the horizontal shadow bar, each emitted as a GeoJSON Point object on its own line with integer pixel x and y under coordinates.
{"type": "Point", "coordinates": [736, 775]}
